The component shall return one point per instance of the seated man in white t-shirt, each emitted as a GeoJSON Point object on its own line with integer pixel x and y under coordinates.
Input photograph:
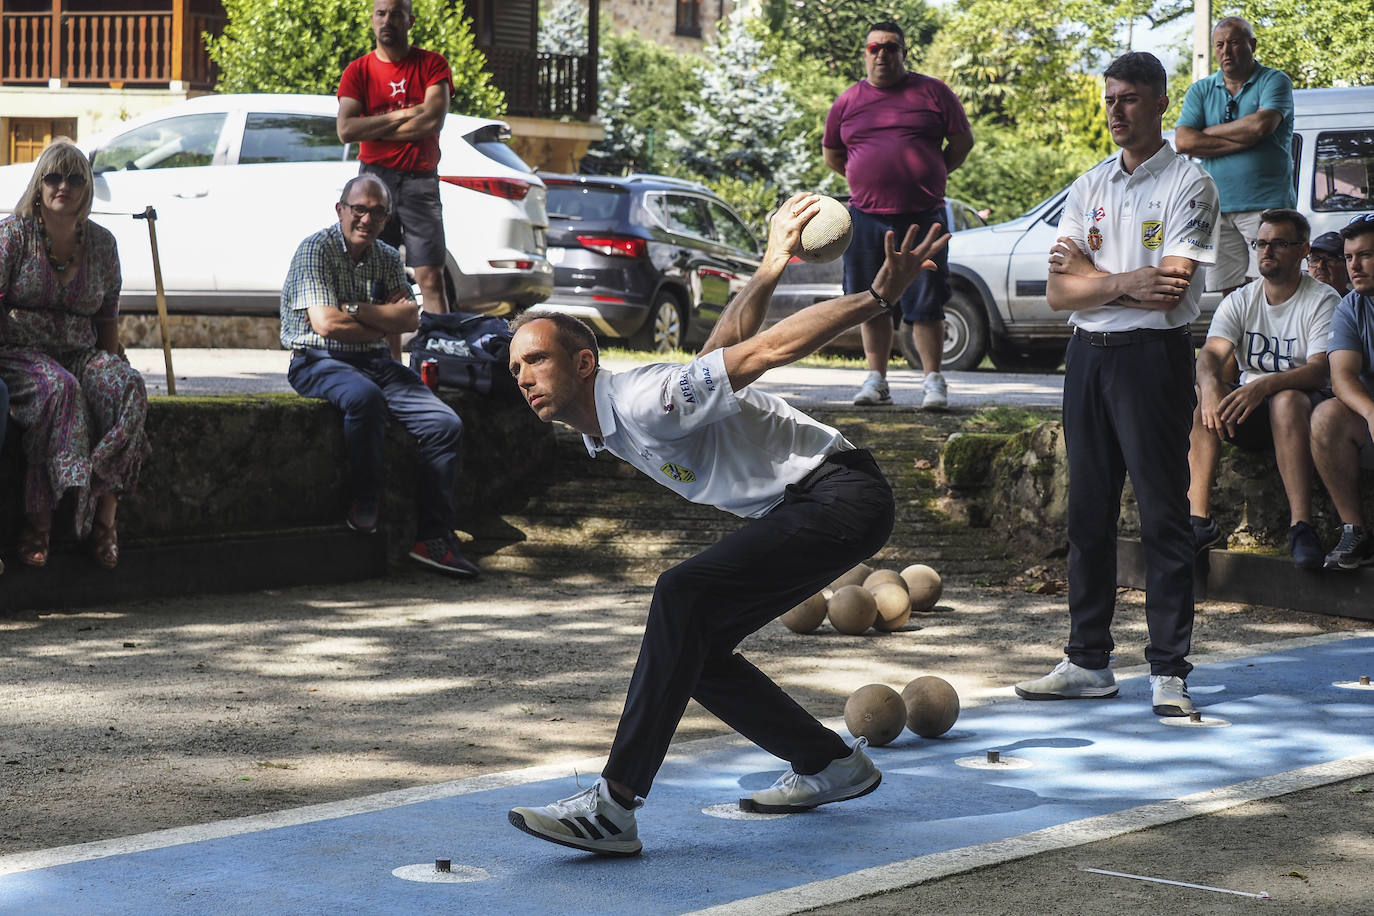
{"type": "Point", "coordinates": [1276, 328]}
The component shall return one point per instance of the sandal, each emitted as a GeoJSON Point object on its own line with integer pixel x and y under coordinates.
{"type": "Point", "coordinates": [33, 546]}
{"type": "Point", "coordinates": [105, 544]}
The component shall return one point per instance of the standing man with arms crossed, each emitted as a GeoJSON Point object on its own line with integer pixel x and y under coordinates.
{"type": "Point", "coordinates": [392, 102]}
{"type": "Point", "coordinates": [815, 506]}
{"type": "Point", "coordinates": [896, 135]}
{"type": "Point", "coordinates": [1239, 122]}
{"type": "Point", "coordinates": [1135, 229]}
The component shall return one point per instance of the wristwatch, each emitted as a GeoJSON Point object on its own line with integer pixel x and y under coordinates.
{"type": "Point", "coordinates": [890, 306]}
{"type": "Point", "coordinates": [351, 308]}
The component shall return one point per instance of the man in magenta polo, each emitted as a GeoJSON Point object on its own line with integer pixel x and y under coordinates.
{"type": "Point", "coordinates": [895, 136]}
{"type": "Point", "coordinates": [392, 102]}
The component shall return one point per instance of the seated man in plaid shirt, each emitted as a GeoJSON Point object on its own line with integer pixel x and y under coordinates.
{"type": "Point", "coordinates": [343, 306]}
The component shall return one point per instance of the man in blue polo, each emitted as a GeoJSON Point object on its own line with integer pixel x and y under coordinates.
{"type": "Point", "coordinates": [1239, 122]}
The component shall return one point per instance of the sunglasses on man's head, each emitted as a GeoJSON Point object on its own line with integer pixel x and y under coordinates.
{"type": "Point", "coordinates": [1362, 218]}
{"type": "Point", "coordinates": [74, 180]}
{"type": "Point", "coordinates": [877, 47]}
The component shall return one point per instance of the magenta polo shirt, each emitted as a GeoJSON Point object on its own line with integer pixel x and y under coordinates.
{"type": "Point", "coordinates": [894, 142]}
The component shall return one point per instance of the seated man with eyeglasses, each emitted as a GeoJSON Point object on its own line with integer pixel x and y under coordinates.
{"type": "Point", "coordinates": [1326, 262]}
{"type": "Point", "coordinates": [343, 306]}
{"type": "Point", "coordinates": [1343, 426]}
{"type": "Point", "coordinates": [1276, 329]}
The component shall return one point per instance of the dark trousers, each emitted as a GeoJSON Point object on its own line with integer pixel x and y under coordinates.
{"type": "Point", "coordinates": [702, 608]}
{"type": "Point", "coordinates": [366, 387]}
{"type": "Point", "coordinates": [1130, 409]}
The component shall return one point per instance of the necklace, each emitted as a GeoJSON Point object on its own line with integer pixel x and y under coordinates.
{"type": "Point", "coordinates": [62, 265]}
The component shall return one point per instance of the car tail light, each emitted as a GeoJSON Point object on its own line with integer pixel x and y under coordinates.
{"type": "Point", "coordinates": [608, 299]}
{"type": "Point", "coordinates": [615, 245]}
{"type": "Point", "coordinates": [512, 265]}
{"type": "Point", "coordinates": [510, 188]}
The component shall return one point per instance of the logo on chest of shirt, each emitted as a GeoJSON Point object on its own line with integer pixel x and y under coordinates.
{"type": "Point", "coordinates": [398, 88]}
{"type": "Point", "coordinates": [1152, 234]}
{"type": "Point", "coordinates": [1095, 238]}
{"type": "Point", "coordinates": [678, 473]}
{"type": "Point", "coordinates": [1097, 214]}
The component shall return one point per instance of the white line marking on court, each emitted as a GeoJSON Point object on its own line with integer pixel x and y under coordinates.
{"type": "Point", "coordinates": [1199, 887]}
{"type": "Point", "coordinates": [292, 817]}
{"type": "Point", "coordinates": [920, 870]}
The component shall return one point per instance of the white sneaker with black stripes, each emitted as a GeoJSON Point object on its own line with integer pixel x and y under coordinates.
{"type": "Point", "coordinates": [589, 820]}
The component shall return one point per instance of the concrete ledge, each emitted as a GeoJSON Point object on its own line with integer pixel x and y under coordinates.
{"type": "Point", "coordinates": [1247, 578]}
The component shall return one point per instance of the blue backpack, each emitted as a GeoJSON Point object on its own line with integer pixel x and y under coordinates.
{"type": "Point", "coordinates": [472, 350]}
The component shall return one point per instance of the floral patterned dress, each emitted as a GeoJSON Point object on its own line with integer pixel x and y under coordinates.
{"type": "Point", "coordinates": [82, 410]}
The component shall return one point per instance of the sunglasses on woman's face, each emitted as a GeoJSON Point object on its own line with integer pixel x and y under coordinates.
{"type": "Point", "coordinates": [74, 180]}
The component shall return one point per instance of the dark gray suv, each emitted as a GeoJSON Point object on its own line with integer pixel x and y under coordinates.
{"type": "Point", "coordinates": [650, 259]}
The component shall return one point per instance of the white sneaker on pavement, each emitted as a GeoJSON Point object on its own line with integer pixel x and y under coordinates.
{"type": "Point", "coordinates": [590, 820]}
{"type": "Point", "coordinates": [874, 391]}
{"type": "Point", "coordinates": [936, 392]}
{"type": "Point", "coordinates": [845, 778]}
{"type": "Point", "coordinates": [1070, 682]}
{"type": "Point", "coordinates": [1170, 695]}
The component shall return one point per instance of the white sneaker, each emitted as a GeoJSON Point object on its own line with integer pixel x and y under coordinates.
{"type": "Point", "coordinates": [1170, 695]}
{"type": "Point", "coordinates": [845, 778]}
{"type": "Point", "coordinates": [590, 820]}
{"type": "Point", "coordinates": [1070, 682]}
{"type": "Point", "coordinates": [937, 392]}
{"type": "Point", "coordinates": [873, 392]}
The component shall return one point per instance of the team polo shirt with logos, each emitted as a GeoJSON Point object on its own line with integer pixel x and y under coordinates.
{"type": "Point", "coordinates": [687, 428]}
{"type": "Point", "coordinates": [1127, 220]}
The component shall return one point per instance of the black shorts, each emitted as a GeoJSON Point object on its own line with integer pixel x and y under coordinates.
{"type": "Point", "coordinates": [1255, 433]}
{"type": "Point", "coordinates": [417, 218]}
{"type": "Point", "coordinates": [925, 298]}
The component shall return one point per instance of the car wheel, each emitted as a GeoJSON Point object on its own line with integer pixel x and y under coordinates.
{"type": "Point", "coordinates": [1039, 358]}
{"type": "Point", "coordinates": [664, 330]}
{"type": "Point", "coordinates": [966, 333]}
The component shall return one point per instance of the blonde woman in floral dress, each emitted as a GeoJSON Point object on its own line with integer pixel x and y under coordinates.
{"type": "Point", "coordinates": [80, 406]}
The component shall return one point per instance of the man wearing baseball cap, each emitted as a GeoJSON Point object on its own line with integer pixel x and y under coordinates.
{"type": "Point", "coordinates": [1326, 262]}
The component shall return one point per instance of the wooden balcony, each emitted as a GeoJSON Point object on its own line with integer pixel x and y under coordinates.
{"type": "Point", "coordinates": [126, 48]}
{"type": "Point", "coordinates": [539, 85]}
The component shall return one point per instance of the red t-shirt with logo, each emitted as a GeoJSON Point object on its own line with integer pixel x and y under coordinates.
{"type": "Point", "coordinates": [382, 86]}
{"type": "Point", "coordinates": [894, 142]}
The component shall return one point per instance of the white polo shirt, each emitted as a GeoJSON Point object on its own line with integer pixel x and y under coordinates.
{"type": "Point", "coordinates": [684, 426]}
{"type": "Point", "coordinates": [1125, 220]}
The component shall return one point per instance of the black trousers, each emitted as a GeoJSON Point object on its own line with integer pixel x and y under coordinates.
{"type": "Point", "coordinates": [1130, 409]}
{"type": "Point", "coordinates": [702, 608]}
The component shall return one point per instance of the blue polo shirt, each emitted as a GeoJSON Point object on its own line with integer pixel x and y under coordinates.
{"type": "Point", "coordinates": [1261, 176]}
{"type": "Point", "coordinates": [1352, 328]}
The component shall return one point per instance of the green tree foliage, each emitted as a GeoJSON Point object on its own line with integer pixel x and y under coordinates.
{"type": "Point", "coordinates": [1316, 42]}
{"type": "Point", "coordinates": [304, 45]}
{"type": "Point", "coordinates": [1007, 175]}
{"type": "Point", "coordinates": [830, 33]}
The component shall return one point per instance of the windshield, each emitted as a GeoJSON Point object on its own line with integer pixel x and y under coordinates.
{"type": "Point", "coordinates": [579, 202]}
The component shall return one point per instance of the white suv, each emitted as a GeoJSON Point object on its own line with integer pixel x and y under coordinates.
{"type": "Point", "coordinates": [239, 180]}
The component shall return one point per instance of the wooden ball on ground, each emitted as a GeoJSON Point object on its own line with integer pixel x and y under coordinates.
{"type": "Point", "coordinates": [879, 576]}
{"type": "Point", "coordinates": [806, 616]}
{"type": "Point", "coordinates": [924, 586]}
{"type": "Point", "coordinates": [932, 706]}
{"type": "Point", "coordinates": [827, 234]}
{"type": "Point", "coordinates": [852, 609]}
{"type": "Point", "coordinates": [855, 576]}
{"type": "Point", "coordinates": [875, 712]}
{"type": "Point", "coordinates": [894, 606]}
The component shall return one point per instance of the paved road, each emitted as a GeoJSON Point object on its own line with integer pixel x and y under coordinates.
{"type": "Point", "coordinates": [240, 371]}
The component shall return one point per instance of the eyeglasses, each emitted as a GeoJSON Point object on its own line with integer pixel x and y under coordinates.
{"type": "Point", "coordinates": [74, 180]}
{"type": "Point", "coordinates": [1232, 108]}
{"type": "Point", "coordinates": [1321, 257]}
{"type": "Point", "coordinates": [359, 211]}
{"type": "Point", "coordinates": [1276, 245]}
{"type": "Point", "coordinates": [877, 47]}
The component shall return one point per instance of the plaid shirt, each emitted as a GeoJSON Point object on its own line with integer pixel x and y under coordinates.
{"type": "Point", "coordinates": [322, 273]}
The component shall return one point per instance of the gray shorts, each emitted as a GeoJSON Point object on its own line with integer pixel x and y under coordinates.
{"type": "Point", "coordinates": [417, 218]}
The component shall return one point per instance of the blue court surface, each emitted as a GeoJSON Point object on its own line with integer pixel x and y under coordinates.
{"type": "Point", "coordinates": [1069, 772]}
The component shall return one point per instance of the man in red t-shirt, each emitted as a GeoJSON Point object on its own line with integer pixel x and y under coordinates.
{"type": "Point", "coordinates": [895, 136]}
{"type": "Point", "coordinates": [392, 103]}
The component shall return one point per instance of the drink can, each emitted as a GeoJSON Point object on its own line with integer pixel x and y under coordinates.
{"type": "Point", "coordinates": [429, 373]}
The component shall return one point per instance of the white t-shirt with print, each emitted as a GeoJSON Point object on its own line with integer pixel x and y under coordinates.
{"type": "Point", "coordinates": [1275, 338]}
{"type": "Point", "coordinates": [687, 428]}
{"type": "Point", "coordinates": [1126, 220]}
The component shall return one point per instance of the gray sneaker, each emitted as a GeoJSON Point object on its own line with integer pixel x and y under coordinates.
{"type": "Point", "coordinates": [873, 392]}
{"type": "Point", "coordinates": [589, 820]}
{"type": "Point", "coordinates": [1355, 549]}
{"type": "Point", "coordinates": [1170, 695]}
{"type": "Point", "coordinates": [845, 778]}
{"type": "Point", "coordinates": [1070, 682]}
{"type": "Point", "coordinates": [936, 392]}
